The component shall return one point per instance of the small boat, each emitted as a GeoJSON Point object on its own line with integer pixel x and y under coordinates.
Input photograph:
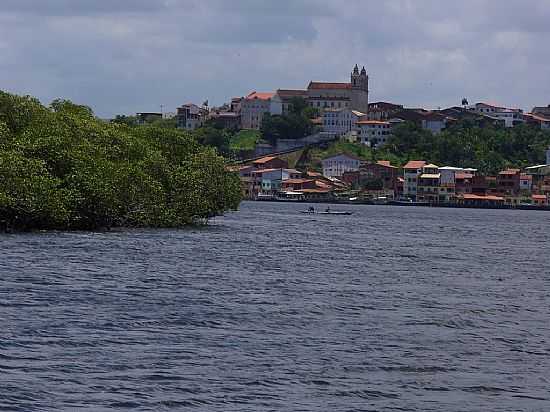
{"type": "Point", "coordinates": [329, 212]}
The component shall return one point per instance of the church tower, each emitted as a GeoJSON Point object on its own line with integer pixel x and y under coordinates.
{"type": "Point", "coordinates": [359, 89]}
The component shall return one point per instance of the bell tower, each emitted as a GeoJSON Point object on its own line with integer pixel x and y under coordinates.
{"type": "Point", "coordinates": [359, 89]}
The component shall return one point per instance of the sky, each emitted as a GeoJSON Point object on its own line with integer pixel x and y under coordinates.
{"type": "Point", "coordinates": [128, 56]}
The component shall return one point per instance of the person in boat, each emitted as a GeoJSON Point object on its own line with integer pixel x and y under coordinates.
{"type": "Point", "coordinates": [327, 209]}
{"type": "Point", "coordinates": [311, 209]}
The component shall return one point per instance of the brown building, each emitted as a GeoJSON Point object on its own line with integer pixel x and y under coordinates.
{"type": "Point", "coordinates": [508, 181]}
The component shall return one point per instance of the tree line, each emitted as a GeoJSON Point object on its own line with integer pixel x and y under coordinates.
{"type": "Point", "coordinates": [63, 168]}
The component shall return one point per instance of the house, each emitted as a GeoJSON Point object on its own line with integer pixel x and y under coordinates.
{"type": "Point", "coordinates": [269, 181]}
{"type": "Point", "coordinates": [508, 181]}
{"type": "Point", "coordinates": [472, 200]}
{"type": "Point", "coordinates": [373, 133]}
{"type": "Point", "coordinates": [338, 122]}
{"type": "Point", "coordinates": [541, 111]}
{"type": "Point", "coordinates": [511, 117]}
{"type": "Point", "coordinates": [411, 171]}
{"type": "Point", "coordinates": [428, 184]}
{"type": "Point", "coordinates": [253, 108]}
{"type": "Point", "coordinates": [190, 116]}
{"type": "Point", "coordinates": [335, 166]}
{"type": "Point", "coordinates": [382, 172]}
{"type": "Point", "coordinates": [383, 110]}
{"type": "Point", "coordinates": [270, 162]}
{"type": "Point", "coordinates": [463, 182]}
{"type": "Point", "coordinates": [428, 120]}
{"type": "Point", "coordinates": [539, 121]}
{"type": "Point", "coordinates": [352, 95]}
{"type": "Point", "coordinates": [540, 200]}
{"type": "Point", "coordinates": [227, 120]}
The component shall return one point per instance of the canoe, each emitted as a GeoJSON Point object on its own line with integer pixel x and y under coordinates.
{"type": "Point", "coordinates": [327, 213]}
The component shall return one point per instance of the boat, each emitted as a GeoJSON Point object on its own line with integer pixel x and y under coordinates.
{"type": "Point", "coordinates": [329, 212]}
{"type": "Point", "coordinates": [407, 203]}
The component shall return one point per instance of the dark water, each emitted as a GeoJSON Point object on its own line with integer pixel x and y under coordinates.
{"type": "Point", "coordinates": [394, 309]}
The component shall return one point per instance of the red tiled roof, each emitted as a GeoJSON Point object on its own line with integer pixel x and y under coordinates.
{"type": "Point", "coordinates": [291, 93]}
{"type": "Point", "coordinates": [538, 197]}
{"type": "Point", "coordinates": [260, 96]}
{"type": "Point", "coordinates": [415, 164]}
{"type": "Point", "coordinates": [325, 85]}
{"type": "Point", "coordinates": [509, 172]}
{"type": "Point", "coordinates": [297, 181]}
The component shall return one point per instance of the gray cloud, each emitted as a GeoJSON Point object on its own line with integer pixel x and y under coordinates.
{"type": "Point", "coordinates": [127, 56]}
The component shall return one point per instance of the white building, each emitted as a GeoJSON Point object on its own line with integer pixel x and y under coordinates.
{"type": "Point", "coordinates": [373, 133]}
{"type": "Point", "coordinates": [411, 172]}
{"type": "Point", "coordinates": [269, 181]}
{"type": "Point", "coordinates": [335, 166]}
{"type": "Point", "coordinates": [253, 107]}
{"type": "Point", "coordinates": [281, 103]}
{"type": "Point", "coordinates": [338, 122]}
{"type": "Point", "coordinates": [511, 117]}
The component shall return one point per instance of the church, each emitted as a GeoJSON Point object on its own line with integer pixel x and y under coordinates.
{"type": "Point", "coordinates": [353, 95]}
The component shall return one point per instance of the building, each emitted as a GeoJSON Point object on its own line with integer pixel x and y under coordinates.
{"type": "Point", "coordinates": [190, 116]}
{"type": "Point", "coordinates": [548, 156]}
{"type": "Point", "coordinates": [383, 110]}
{"type": "Point", "coordinates": [411, 171]}
{"type": "Point", "coordinates": [253, 108]}
{"type": "Point", "coordinates": [353, 95]}
{"type": "Point", "coordinates": [269, 181]}
{"type": "Point", "coordinates": [508, 181]}
{"type": "Point", "coordinates": [511, 117]}
{"type": "Point", "coordinates": [373, 133]}
{"type": "Point", "coordinates": [336, 166]}
{"type": "Point", "coordinates": [428, 185]}
{"type": "Point", "coordinates": [282, 100]}
{"type": "Point", "coordinates": [270, 162]}
{"type": "Point", "coordinates": [428, 120]}
{"type": "Point", "coordinates": [227, 120]}
{"type": "Point", "coordinates": [338, 122]}
{"type": "Point", "coordinates": [525, 182]}
{"type": "Point", "coordinates": [381, 171]}
{"type": "Point", "coordinates": [537, 120]}
{"type": "Point", "coordinates": [541, 111]}
{"type": "Point", "coordinates": [147, 117]}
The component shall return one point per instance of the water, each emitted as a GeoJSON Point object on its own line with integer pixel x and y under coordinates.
{"type": "Point", "coordinates": [394, 309]}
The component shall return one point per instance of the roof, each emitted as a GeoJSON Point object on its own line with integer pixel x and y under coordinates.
{"type": "Point", "coordinates": [415, 164]}
{"type": "Point", "coordinates": [260, 171]}
{"type": "Point", "coordinates": [264, 159]}
{"type": "Point", "coordinates": [509, 172]}
{"type": "Point", "coordinates": [431, 166]}
{"type": "Point", "coordinates": [358, 113]}
{"type": "Point", "coordinates": [288, 93]}
{"type": "Point", "coordinates": [344, 154]}
{"type": "Point", "coordinates": [539, 197]}
{"type": "Point", "coordinates": [315, 190]}
{"type": "Point", "coordinates": [300, 180]}
{"type": "Point", "coordinates": [385, 163]}
{"type": "Point", "coordinates": [326, 85]}
{"type": "Point", "coordinates": [463, 175]}
{"type": "Point", "coordinates": [526, 177]}
{"type": "Point", "coordinates": [430, 176]}
{"type": "Point", "coordinates": [372, 122]}
{"type": "Point", "coordinates": [260, 95]}
{"type": "Point", "coordinates": [537, 117]}
{"type": "Point", "coordinates": [468, 196]}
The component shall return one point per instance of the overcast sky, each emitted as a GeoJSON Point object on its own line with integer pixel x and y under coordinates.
{"type": "Point", "coordinates": [127, 56]}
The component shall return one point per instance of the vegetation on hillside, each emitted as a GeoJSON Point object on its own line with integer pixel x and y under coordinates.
{"type": "Point", "coordinates": [244, 140]}
{"type": "Point", "coordinates": [62, 168]}
{"type": "Point", "coordinates": [464, 145]}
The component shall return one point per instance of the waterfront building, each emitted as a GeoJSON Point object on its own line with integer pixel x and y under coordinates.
{"type": "Point", "coordinates": [428, 185]}
{"type": "Point", "coordinates": [335, 166]}
{"type": "Point", "coordinates": [525, 182]}
{"type": "Point", "coordinates": [411, 172]}
{"type": "Point", "coordinates": [381, 174]}
{"type": "Point", "coordinates": [253, 108]}
{"type": "Point", "coordinates": [508, 181]}
{"type": "Point", "coordinates": [373, 133]}
{"type": "Point", "coordinates": [269, 181]}
{"type": "Point", "coordinates": [353, 95]}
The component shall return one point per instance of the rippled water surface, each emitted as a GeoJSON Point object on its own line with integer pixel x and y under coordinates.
{"type": "Point", "coordinates": [394, 309]}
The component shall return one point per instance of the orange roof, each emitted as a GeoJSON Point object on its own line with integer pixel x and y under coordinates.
{"type": "Point", "coordinates": [297, 181]}
{"type": "Point", "coordinates": [415, 164]}
{"type": "Point", "coordinates": [509, 172]}
{"type": "Point", "coordinates": [325, 85]}
{"type": "Point", "coordinates": [372, 122]}
{"type": "Point", "coordinates": [314, 190]}
{"type": "Point", "coordinates": [264, 159]}
{"type": "Point", "coordinates": [538, 197]}
{"type": "Point", "coordinates": [260, 96]}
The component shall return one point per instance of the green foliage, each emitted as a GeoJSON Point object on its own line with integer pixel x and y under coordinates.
{"type": "Point", "coordinates": [214, 137]}
{"type": "Point", "coordinates": [244, 140]}
{"type": "Point", "coordinates": [61, 168]}
{"type": "Point", "coordinates": [294, 125]}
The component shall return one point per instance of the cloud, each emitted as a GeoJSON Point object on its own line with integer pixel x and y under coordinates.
{"type": "Point", "coordinates": [127, 56]}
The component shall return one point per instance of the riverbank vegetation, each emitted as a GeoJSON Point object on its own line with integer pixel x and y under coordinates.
{"type": "Point", "coordinates": [62, 168]}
